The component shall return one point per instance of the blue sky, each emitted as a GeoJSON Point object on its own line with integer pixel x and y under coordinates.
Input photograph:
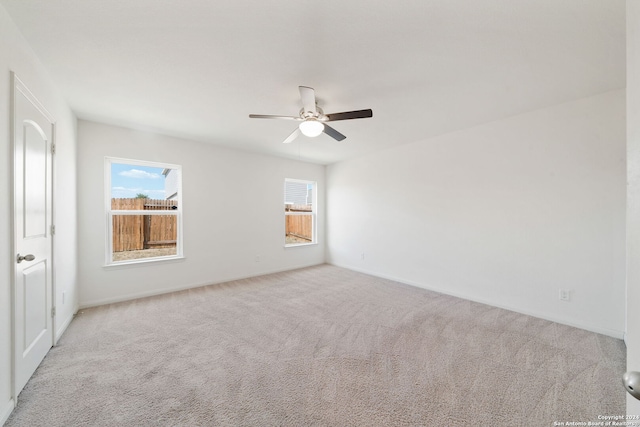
{"type": "Point", "coordinates": [129, 180]}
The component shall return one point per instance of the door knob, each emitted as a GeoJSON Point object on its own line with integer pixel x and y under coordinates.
{"type": "Point", "coordinates": [631, 382]}
{"type": "Point", "coordinates": [25, 258]}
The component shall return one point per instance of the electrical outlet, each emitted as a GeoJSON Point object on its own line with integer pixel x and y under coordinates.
{"type": "Point", "coordinates": [565, 295]}
{"type": "Point", "coordinates": [362, 256]}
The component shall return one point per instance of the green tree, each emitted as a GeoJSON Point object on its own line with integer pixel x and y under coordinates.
{"type": "Point", "coordinates": [142, 196]}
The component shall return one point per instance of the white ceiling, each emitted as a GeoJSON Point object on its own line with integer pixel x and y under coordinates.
{"type": "Point", "coordinates": [198, 68]}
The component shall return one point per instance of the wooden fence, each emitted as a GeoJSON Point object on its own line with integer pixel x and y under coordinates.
{"type": "Point", "coordinates": [135, 232]}
{"type": "Point", "coordinates": [299, 226]}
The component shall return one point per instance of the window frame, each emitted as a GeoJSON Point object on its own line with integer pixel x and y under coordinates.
{"type": "Point", "coordinates": [313, 213]}
{"type": "Point", "coordinates": [110, 213]}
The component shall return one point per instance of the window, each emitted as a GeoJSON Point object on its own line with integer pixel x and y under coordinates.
{"type": "Point", "coordinates": [299, 212]}
{"type": "Point", "coordinates": [144, 211]}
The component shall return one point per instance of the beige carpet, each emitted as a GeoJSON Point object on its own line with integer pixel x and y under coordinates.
{"type": "Point", "coordinates": [321, 346]}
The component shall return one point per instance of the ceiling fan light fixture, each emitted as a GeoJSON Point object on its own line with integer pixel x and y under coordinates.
{"type": "Point", "coordinates": [311, 128]}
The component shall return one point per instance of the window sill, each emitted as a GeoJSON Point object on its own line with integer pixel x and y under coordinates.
{"type": "Point", "coordinates": [143, 262]}
{"type": "Point", "coordinates": [295, 245]}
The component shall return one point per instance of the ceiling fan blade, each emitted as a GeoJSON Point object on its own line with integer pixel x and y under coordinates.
{"type": "Point", "coordinates": [348, 115]}
{"type": "Point", "coordinates": [308, 96]}
{"type": "Point", "coordinates": [333, 133]}
{"type": "Point", "coordinates": [267, 116]}
{"type": "Point", "coordinates": [293, 136]}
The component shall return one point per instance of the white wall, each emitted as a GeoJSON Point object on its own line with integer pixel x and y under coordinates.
{"type": "Point", "coordinates": [233, 212]}
{"type": "Point", "coordinates": [504, 213]}
{"type": "Point", "coordinates": [16, 55]}
{"type": "Point", "coordinates": [633, 194]}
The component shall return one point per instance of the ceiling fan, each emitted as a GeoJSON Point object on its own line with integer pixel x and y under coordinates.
{"type": "Point", "coordinates": [313, 120]}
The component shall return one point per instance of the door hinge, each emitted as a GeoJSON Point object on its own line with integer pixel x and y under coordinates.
{"type": "Point", "coordinates": [53, 229]}
{"type": "Point", "coordinates": [53, 148]}
{"type": "Point", "coordinates": [53, 312]}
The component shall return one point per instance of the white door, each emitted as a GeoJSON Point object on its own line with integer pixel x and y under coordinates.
{"type": "Point", "coordinates": [33, 304]}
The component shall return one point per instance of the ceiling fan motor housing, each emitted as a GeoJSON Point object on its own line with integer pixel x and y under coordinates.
{"type": "Point", "coordinates": [318, 115]}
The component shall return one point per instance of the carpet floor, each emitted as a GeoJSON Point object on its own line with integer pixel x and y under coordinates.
{"type": "Point", "coordinates": [320, 346]}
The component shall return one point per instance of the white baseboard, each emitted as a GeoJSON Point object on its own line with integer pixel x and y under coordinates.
{"type": "Point", "coordinates": [591, 328]}
{"type": "Point", "coordinates": [129, 297]}
{"type": "Point", "coordinates": [6, 411]}
{"type": "Point", "coordinates": [64, 326]}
